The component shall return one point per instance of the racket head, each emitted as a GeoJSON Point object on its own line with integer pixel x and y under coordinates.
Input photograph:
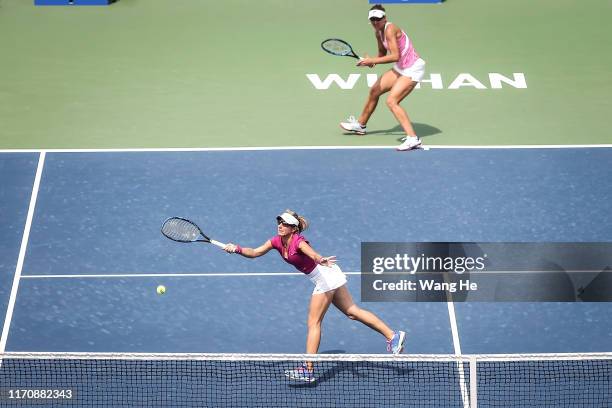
{"type": "Point", "coordinates": [183, 230]}
{"type": "Point", "coordinates": [336, 46]}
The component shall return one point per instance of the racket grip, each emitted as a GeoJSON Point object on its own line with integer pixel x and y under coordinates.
{"type": "Point", "coordinates": [217, 243]}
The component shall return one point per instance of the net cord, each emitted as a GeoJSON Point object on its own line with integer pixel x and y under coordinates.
{"type": "Point", "coordinates": [465, 358]}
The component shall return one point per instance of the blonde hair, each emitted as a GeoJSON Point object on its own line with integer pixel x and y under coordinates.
{"type": "Point", "coordinates": [302, 221]}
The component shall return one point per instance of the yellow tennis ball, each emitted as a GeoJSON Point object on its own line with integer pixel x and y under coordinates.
{"type": "Point", "coordinates": [161, 289]}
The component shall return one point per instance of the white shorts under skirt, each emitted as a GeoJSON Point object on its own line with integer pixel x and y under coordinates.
{"type": "Point", "coordinates": [326, 278]}
{"type": "Point", "coordinates": [416, 71]}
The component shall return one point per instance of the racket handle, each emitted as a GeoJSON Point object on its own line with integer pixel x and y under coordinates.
{"type": "Point", "coordinates": [217, 243]}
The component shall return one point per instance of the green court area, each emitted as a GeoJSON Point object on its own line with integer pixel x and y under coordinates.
{"type": "Point", "coordinates": [195, 73]}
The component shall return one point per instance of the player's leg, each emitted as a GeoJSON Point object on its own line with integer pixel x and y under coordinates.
{"type": "Point", "coordinates": [381, 86]}
{"type": "Point", "coordinates": [344, 302]}
{"type": "Point", "coordinates": [402, 88]}
{"type": "Point", "coordinates": [319, 303]}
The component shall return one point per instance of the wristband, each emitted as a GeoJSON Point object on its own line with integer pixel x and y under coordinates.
{"type": "Point", "coordinates": [238, 250]}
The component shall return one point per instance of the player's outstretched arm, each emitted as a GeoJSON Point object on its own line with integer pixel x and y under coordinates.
{"type": "Point", "coordinates": [249, 252]}
{"type": "Point", "coordinates": [312, 254]}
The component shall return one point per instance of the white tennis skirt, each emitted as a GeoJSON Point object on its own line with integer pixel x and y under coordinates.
{"type": "Point", "coordinates": [416, 71]}
{"type": "Point", "coordinates": [326, 278]}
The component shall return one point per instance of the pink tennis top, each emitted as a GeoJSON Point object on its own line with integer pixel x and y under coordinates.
{"type": "Point", "coordinates": [295, 257]}
{"type": "Point", "coordinates": [408, 54]}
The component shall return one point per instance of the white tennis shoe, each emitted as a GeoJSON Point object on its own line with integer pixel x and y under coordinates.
{"type": "Point", "coordinates": [396, 344]}
{"type": "Point", "coordinates": [352, 125]}
{"type": "Point", "coordinates": [409, 143]}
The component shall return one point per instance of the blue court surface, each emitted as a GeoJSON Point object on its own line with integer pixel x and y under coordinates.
{"type": "Point", "coordinates": [94, 253]}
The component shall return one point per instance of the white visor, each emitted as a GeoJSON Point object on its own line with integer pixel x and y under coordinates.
{"type": "Point", "coordinates": [288, 219]}
{"type": "Point", "coordinates": [376, 13]}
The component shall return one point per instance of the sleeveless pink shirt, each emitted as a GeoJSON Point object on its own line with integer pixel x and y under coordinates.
{"type": "Point", "coordinates": [408, 54]}
{"type": "Point", "coordinates": [295, 257]}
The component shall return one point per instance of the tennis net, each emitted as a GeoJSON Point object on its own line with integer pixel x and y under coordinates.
{"type": "Point", "coordinates": [340, 380]}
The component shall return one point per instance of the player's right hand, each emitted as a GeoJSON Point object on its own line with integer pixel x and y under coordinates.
{"type": "Point", "coordinates": [231, 248]}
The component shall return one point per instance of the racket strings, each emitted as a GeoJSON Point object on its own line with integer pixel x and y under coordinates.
{"type": "Point", "coordinates": [180, 230]}
{"type": "Point", "coordinates": [337, 47]}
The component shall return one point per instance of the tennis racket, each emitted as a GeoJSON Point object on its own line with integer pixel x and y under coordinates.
{"type": "Point", "coordinates": [182, 230]}
{"type": "Point", "coordinates": [338, 47]}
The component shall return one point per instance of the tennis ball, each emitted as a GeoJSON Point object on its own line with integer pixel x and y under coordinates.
{"type": "Point", "coordinates": [161, 289]}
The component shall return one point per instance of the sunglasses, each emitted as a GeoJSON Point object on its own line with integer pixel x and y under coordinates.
{"type": "Point", "coordinates": [279, 222]}
{"type": "Point", "coordinates": [375, 19]}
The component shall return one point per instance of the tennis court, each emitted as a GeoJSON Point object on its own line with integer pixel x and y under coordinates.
{"type": "Point", "coordinates": [149, 111]}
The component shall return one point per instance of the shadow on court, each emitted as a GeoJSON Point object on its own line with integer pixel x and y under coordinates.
{"type": "Point", "coordinates": [364, 371]}
{"type": "Point", "coordinates": [421, 129]}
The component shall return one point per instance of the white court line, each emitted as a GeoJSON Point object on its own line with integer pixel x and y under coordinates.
{"type": "Point", "coordinates": [272, 148]}
{"type": "Point", "coordinates": [457, 347]}
{"type": "Point", "coordinates": [244, 274]}
{"type": "Point", "coordinates": [22, 252]}
{"type": "Point", "coordinates": [247, 274]}
{"type": "Point", "coordinates": [171, 275]}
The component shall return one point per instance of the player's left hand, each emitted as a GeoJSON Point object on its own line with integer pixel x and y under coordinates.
{"type": "Point", "coordinates": [366, 62]}
{"type": "Point", "coordinates": [328, 260]}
